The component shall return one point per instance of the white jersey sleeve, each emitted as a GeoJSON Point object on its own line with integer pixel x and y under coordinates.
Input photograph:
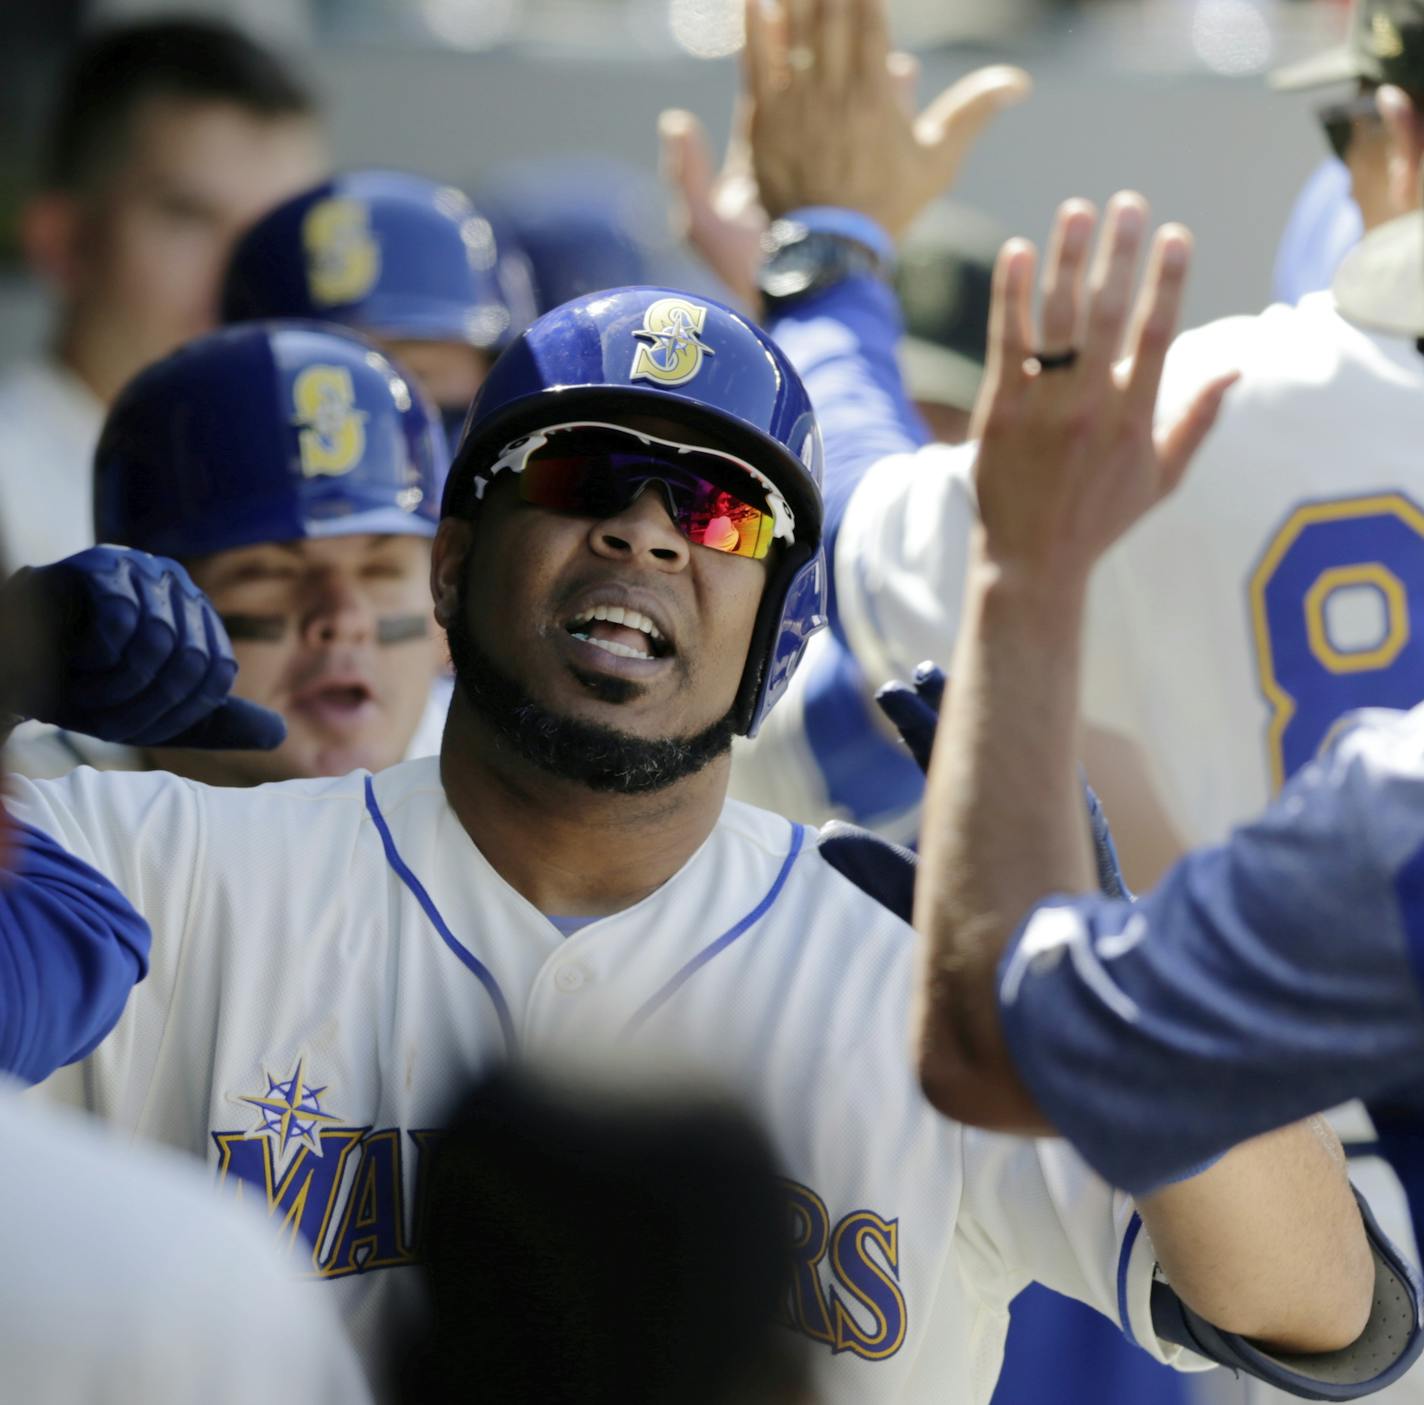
{"type": "Point", "coordinates": [1033, 1211]}
{"type": "Point", "coordinates": [900, 559]}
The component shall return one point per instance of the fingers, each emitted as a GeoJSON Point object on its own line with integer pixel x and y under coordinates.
{"type": "Point", "coordinates": [930, 680]}
{"type": "Point", "coordinates": [904, 72]}
{"type": "Point", "coordinates": [1010, 328]}
{"type": "Point", "coordinates": [1177, 444]}
{"type": "Point", "coordinates": [1063, 272]}
{"type": "Point", "coordinates": [912, 717]}
{"type": "Point", "coordinates": [801, 35]}
{"type": "Point", "coordinates": [872, 46]}
{"type": "Point", "coordinates": [835, 44]}
{"type": "Point", "coordinates": [238, 725]}
{"type": "Point", "coordinates": [759, 51]}
{"type": "Point", "coordinates": [1110, 283]}
{"type": "Point", "coordinates": [686, 161]}
{"type": "Point", "coordinates": [1159, 306]}
{"type": "Point", "coordinates": [951, 124]}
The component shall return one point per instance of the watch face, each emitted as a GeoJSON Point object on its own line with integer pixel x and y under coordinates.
{"type": "Point", "coordinates": [791, 270]}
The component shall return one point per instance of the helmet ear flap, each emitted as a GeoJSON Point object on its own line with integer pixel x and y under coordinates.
{"type": "Point", "coordinates": [792, 610]}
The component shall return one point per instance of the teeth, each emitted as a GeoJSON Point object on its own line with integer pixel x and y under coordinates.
{"type": "Point", "coordinates": [609, 646]}
{"type": "Point", "coordinates": [617, 614]}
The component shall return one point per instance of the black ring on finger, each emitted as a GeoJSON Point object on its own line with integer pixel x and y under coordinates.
{"type": "Point", "coordinates": [1055, 360]}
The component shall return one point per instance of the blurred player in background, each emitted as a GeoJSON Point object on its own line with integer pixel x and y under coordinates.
{"type": "Point", "coordinates": [690, 1239]}
{"type": "Point", "coordinates": [1275, 591]}
{"type": "Point", "coordinates": [297, 475]}
{"type": "Point", "coordinates": [405, 260]}
{"type": "Point", "coordinates": [169, 135]}
{"type": "Point", "coordinates": [107, 1278]}
{"type": "Point", "coordinates": [111, 1291]}
{"type": "Point", "coordinates": [586, 223]}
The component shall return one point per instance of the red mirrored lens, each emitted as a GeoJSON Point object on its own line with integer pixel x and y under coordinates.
{"type": "Point", "coordinates": [593, 481]}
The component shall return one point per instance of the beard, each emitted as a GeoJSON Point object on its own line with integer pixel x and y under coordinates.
{"type": "Point", "coordinates": [601, 758]}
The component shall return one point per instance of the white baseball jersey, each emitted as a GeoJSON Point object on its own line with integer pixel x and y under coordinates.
{"type": "Point", "coordinates": [1278, 588]}
{"type": "Point", "coordinates": [124, 1283]}
{"type": "Point", "coordinates": [826, 751]}
{"type": "Point", "coordinates": [52, 422]}
{"type": "Point", "coordinates": [333, 960]}
{"type": "Point", "coordinates": [43, 752]}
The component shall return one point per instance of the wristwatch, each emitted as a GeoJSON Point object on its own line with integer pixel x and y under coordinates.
{"type": "Point", "coordinates": [800, 261]}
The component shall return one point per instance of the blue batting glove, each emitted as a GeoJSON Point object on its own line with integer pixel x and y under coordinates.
{"type": "Point", "coordinates": [142, 657]}
{"type": "Point", "coordinates": [915, 711]}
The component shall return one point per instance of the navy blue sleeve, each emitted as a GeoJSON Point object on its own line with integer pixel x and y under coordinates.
{"type": "Point", "coordinates": [843, 343]}
{"type": "Point", "coordinates": [71, 949]}
{"type": "Point", "coordinates": [1259, 982]}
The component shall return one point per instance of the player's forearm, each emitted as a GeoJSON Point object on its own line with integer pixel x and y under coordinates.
{"type": "Point", "coordinates": [1268, 1242]}
{"type": "Point", "coordinates": [843, 342]}
{"type": "Point", "coordinates": [1003, 827]}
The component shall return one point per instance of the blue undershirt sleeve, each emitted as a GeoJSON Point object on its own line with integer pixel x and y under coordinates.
{"type": "Point", "coordinates": [843, 341]}
{"type": "Point", "coordinates": [71, 949]}
{"type": "Point", "coordinates": [1259, 982]}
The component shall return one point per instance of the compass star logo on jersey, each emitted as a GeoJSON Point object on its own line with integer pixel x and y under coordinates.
{"type": "Point", "coordinates": [672, 349]}
{"type": "Point", "coordinates": [291, 1111]}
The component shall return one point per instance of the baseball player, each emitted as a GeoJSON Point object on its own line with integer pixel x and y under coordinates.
{"type": "Point", "coordinates": [405, 260]}
{"type": "Point", "coordinates": [1300, 529]}
{"type": "Point", "coordinates": [296, 474]}
{"type": "Point", "coordinates": [1276, 972]}
{"type": "Point", "coordinates": [628, 565]}
{"type": "Point", "coordinates": [169, 135]}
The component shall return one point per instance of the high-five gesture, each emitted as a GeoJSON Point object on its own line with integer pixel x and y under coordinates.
{"type": "Point", "coordinates": [830, 124]}
{"type": "Point", "coordinates": [1069, 457]}
{"type": "Point", "coordinates": [826, 117]}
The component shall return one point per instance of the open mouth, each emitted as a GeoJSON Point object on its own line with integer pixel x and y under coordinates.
{"type": "Point", "coordinates": [337, 703]}
{"type": "Point", "coordinates": [622, 632]}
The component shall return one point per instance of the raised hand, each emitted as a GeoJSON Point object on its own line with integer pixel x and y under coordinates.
{"type": "Point", "coordinates": [140, 655]}
{"type": "Point", "coordinates": [826, 117]}
{"type": "Point", "coordinates": [830, 124]}
{"type": "Point", "coordinates": [1069, 456]}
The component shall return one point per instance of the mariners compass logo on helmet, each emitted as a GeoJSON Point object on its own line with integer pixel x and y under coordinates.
{"type": "Point", "coordinates": [343, 259]}
{"type": "Point", "coordinates": [673, 350]}
{"type": "Point", "coordinates": [332, 431]}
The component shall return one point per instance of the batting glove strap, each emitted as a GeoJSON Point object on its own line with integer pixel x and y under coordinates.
{"type": "Point", "coordinates": [1384, 1351]}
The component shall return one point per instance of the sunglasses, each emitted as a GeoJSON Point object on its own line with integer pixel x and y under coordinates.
{"type": "Point", "coordinates": [595, 470]}
{"type": "Point", "coordinates": [1338, 120]}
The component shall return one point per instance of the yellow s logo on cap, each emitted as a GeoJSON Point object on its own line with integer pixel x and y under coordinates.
{"type": "Point", "coordinates": [343, 259]}
{"type": "Point", "coordinates": [672, 352]}
{"type": "Point", "coordinates": [332, 433]}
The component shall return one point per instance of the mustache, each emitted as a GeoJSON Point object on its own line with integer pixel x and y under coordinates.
{"type": "Point", "coordinates": [602, 758]}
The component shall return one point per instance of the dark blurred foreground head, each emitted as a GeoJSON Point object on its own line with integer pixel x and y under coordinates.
{"type": "Point", "coordinates": [587, 1245]}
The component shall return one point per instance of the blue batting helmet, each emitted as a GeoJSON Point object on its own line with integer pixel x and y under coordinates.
{"type": "Point", "coordinates": [266, 432]}
{"type": "Point", "coordinates": [656, 351]}
{"type": "Point", "coordinates": [385, 252]}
